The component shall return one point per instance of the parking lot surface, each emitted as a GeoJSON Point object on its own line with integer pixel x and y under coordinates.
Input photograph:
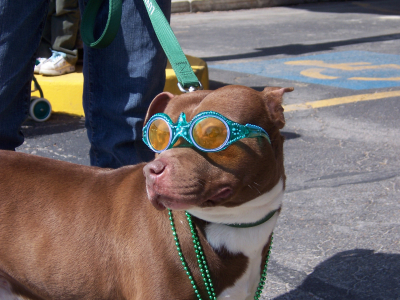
{"type": "Point", "coordinates": [338, 236]}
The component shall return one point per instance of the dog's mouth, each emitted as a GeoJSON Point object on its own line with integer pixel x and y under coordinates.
{"type": "Point", "coordinates": [165, 189]}
{"type": "Point", "coordinates": [161, 200]}
{"type": "Point", "coordinates": [217, 197]}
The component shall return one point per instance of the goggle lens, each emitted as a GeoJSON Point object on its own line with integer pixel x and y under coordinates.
{"type": "Point", "coordinates": [209, 133]}
{"type": "Point", "coordinates": [159, 134]}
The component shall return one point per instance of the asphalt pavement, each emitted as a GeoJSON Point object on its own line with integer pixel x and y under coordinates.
{"type": "Point", "coordinates": [338, 236]}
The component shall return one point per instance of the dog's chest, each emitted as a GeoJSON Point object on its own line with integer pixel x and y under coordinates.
{"type": "Point", "coordinates": [247, 241]}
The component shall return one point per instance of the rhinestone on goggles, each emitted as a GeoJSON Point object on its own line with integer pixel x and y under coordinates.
{"type": "Point", "coordinates": [210, 133]}
{"type": "Point", "coordinates": [159, 134]}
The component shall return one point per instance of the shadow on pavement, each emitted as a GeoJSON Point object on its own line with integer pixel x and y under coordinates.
{"type": "Point", "coordinates": [355, 274]}
{"type": "Point", "coordinates": [299, 49]}
{"type": "Point", "coordinates": [58, 123]}
{"type": "Point", "coordinates": [213, 85]}
{"type": "Point", "coordinates": [381, 7]}
{"type": "Point", "coordinates": [290, 135]}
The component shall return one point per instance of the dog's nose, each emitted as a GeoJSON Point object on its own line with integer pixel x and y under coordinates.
{"type": "Point", "coordinates": [154, 168]}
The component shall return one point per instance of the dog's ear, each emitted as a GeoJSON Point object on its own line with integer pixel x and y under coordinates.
{"type": "Point", "coordinates": [158, 105]}
{"type": "Point", "coordinates": [273, 97]}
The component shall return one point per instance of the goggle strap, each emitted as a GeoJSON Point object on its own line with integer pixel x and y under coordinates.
{"type": "Point", "coordinates": [256, 131]}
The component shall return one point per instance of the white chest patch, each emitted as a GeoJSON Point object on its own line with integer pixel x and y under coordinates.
{"type": "Point", "coordinates": [5, 290]}
{"type": "Point", "coordinates": [248, 241]}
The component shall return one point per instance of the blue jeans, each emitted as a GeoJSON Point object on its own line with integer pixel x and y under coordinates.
{"type": "Point", "coordinates": [21, 27]}
{"type": "Point", "coordinates": [119, 81]}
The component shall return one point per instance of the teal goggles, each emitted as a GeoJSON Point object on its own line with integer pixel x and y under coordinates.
{"type": "Point", "coordinates": [208, 131]}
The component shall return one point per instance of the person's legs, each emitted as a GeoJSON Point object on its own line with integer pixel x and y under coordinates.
{"type": "Point", "coordinates": [64, 28]}
{"type": "Point", "coordinates": [21, 27]}
{"type": "Point", "coordinates": [44, 50]}
{"type": "Point", "coordinates": [120, 82]}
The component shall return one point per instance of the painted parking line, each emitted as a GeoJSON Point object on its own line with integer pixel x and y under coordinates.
{"type": "Point", "coordinates": [341, 100]}
{"type": "Point", "coordinates": [356, 70]}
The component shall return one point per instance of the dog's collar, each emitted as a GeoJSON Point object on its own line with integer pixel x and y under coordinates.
{"type": "Point", "coordinates": [259, 222]}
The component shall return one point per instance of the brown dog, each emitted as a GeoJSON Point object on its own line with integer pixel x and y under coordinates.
{"type": "Point", "coordinates": [75, 232]}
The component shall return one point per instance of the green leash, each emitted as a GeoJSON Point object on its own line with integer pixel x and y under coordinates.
{"type": "Point", "coordinates": [187, 80]}
{"type": "Point", "coordinates": [89, 21]}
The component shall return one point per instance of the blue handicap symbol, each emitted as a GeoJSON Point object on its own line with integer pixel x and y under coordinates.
{"type": "Point", "coordinates": [356, 70]}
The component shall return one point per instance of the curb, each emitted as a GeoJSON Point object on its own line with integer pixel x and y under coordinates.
{"type": "Point", "coordinates": [65, 92]}
{"type": "Point", "coordinates": [221, 5]}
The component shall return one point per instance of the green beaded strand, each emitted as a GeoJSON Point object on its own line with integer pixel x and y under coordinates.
{"type": "Point", "coordinates": [184, 264]}
{"type": "Point", "coordinates": [201, 260]}
{"type": "Point", "coordinates": [202, 263]}
{"type": "Point", "coordinates": [264, 273]}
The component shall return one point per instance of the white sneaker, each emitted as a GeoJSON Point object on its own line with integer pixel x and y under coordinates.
{"type": "Point", "coordinates": [39, 63]}
{"type": "Point", "coordinates": [56, 65]}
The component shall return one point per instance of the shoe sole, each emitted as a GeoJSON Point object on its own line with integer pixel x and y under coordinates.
{"type": "Point", "coordinates": [57, 72]}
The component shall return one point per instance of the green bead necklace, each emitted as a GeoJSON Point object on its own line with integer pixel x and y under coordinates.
{"type": "Point", "coordinates": [202, 263]}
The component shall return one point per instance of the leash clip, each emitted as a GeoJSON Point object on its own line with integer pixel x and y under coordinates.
{"type": "Point", "coordinates": [190, 89]}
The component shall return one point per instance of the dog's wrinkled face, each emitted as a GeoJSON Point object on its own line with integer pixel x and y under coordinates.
{"type": "Point", "coordinates": [183, 177]}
